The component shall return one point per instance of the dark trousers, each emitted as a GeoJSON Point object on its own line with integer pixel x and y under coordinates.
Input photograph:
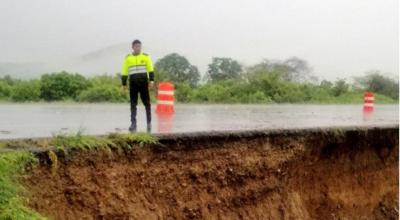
{"type": "Point", "coordinates": [139, 86]}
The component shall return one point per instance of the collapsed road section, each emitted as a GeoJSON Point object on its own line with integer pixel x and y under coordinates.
{"type": "Point", "coordinates": [329, 173]}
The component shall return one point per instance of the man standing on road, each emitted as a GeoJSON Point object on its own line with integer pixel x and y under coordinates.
{"type": "Point", "coordinates": [138, 68]}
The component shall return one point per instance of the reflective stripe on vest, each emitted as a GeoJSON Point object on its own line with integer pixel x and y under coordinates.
{"type": "Point", "coordinates": [137, 69]}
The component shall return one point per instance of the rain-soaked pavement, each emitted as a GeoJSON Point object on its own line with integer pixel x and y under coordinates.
{"type": "Point", "coordinates": [43, 120]}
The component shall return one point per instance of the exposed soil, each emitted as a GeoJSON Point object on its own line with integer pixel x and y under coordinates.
{"type": "Point", "coordinates": [298, 175]}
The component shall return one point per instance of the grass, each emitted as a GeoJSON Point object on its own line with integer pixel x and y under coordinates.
{"type": "Point", "coordinates": [24, 144]}
{"type": "Point", "coordinates": [78, 141]}
{"type": "Point", "coordinates": [12, 203]}
{"type": "Point", "coordinates": [358, 98]}
{"type": "Point", "coordinates": [114, 140]}
{"type": "Point", "coordinates": [141, 138]}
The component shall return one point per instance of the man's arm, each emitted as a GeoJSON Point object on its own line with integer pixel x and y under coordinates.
{"type": "Point", "coordinates": [124, 73]}
{"type": "Point", "coordinates": [150, 69]}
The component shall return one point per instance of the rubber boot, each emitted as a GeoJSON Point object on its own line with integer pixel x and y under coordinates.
{"type": "Point", "coordinates": [132, 128]}
{"type": "Point", "coordinates": [148, 117]}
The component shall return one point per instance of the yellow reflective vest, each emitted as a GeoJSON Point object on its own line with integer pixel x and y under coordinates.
{"type": "Point", "coordinates": [137, 66]}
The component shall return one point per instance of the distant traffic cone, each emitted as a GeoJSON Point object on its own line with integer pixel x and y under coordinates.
{"type": "Point", "coordinates": [368, 109]}
{"type": "Point", "coordinates": [368, 101]}
{"type": "Point", "coordinates": [165, 98]}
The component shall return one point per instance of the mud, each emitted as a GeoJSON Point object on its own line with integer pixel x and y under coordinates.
{"type": "Point", "coordinates": [350, 173]}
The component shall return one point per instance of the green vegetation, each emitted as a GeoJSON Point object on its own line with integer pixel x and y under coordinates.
{"type": "Point", "coordinates": [176, 68]}
{"type": "Point", "coordinates": [59, 86]}
{"type": "Point", "coordinates": [103, 89]}
{"type": "Point", "coordinates": [78, 141]}
{"type": "Point", "coordinates": [222, 68]}
{"type": "Point", "coordinates": [12, 203]}
{"type": "Point", "coordinates": [81, 141]}
{"type": "Point", "coordinates": [141, 138]}
{"type": "Point", "coordinates": [376, 82]}
{"type": "Point", "coordinates": [226, 81]}
{"type": "Point", "coordinates": [114, 140]}
{"type": "Point", "coordinates": [26, 91]}
{"type": "Point", "coordinates": [102, 93]}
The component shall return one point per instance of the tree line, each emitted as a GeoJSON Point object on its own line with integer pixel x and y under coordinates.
{"type": "Point", "coordinates": [226, 81]}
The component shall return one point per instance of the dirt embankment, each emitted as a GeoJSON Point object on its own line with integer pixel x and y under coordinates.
{"type": "Point", "coordinates": [304, 174]}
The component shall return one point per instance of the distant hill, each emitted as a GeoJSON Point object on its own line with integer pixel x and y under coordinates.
{"type": "Point", "coordinates": [109, 59]}
{"type": "Point", "coordinates": [23, 70]}
{"type": "Point", "coordinates": [105, 60]}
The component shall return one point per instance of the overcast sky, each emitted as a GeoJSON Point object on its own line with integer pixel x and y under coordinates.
{"type": "Point", "coordinates": [339, 38]}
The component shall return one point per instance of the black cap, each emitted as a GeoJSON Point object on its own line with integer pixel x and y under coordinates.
{"type": "Point", "coordinates": [136, 42]}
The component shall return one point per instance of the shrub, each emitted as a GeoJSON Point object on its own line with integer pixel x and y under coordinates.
{"type": "Point", "coordinates": [26, 91]}
{"type": "Point", "coordinates": [59, 86]}
{"type": "Point", "coordinates": [102, 93]}
{"type": "Point", "coordinates": [5, 89]}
